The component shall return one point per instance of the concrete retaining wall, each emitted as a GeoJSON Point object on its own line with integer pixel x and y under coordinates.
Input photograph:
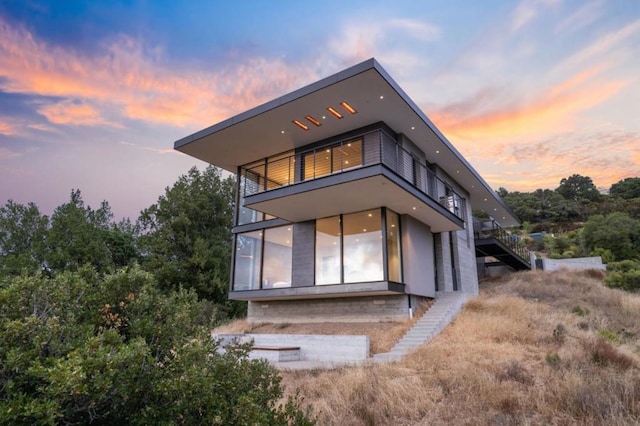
{"type": "Point", "coordinates": [577, 263]}
{"type": "Point", "coordinates": [313, 347]}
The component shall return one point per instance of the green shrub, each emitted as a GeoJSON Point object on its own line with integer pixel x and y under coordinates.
{"type": "Point", "coordinates": [79, 348]}
{"type": "Point", "coordinates": [629, 281]}
{"type": "Point", "coordinates": [608, 335]}
{"type": "Point", "coordinates": [580, 311]}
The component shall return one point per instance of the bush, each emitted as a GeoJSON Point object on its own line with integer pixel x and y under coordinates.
{"type": "Point", "coordinates": [624, 275]}
{"type": "Point", "coordinates": [629, 281]}
{"type": "Point", "coordinates": [80, 348]}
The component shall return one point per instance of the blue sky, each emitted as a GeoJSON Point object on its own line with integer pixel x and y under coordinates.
{"type": "Point", "coordinates": [93, 94]}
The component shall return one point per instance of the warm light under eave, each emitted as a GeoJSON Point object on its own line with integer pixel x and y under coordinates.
{"type": "Point", "coordinates": [348, 108]}
{"type": "Point", "coordinates": [300, 124]}
{"type": "Point", "coordinates": [313, 120]}
{"type": "Point", "coordinates": [334, 112]}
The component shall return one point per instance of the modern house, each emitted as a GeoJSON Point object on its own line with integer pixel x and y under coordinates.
{"type": "Point", "coordinates": [351, 204]}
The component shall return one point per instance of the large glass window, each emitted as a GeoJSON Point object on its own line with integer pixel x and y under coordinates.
{"type": "Point", "coordinates": [363, 256]}
{"type": "Point", "coordinates": [393, 246]}
{"type": "Point", "coordinates": [276, 269]}
{"type": "Point", "coordinates": [328, 251]}
{"type": "Point", "coordinates": [247, 261]}
{"type": "Point", "coordinates": [280, 170]}
{"type": "Point", "coordinates": [263, 259]}
{"type": "Point", "coordinates": [333, 159]}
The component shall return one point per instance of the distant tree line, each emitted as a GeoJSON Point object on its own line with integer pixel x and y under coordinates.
{"type": "Point", "coordinates": [580, 221]}
{"type": "Point", "coordinates": [108, 322]}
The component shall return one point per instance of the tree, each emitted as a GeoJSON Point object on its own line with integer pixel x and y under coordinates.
{"type": "Point", "coordinates": [628, 188]}
{"type": "Point", "coordinates": [80, 235]}
{"type": "Point", "coordinates": [617, 232]}
{"type": "Point", "coordinates": [23, 231]}
{"type": "Point", "coordinates": [579, 189]}
{"type": "Point", "coordinates": [186, 235]}
{"type": "Point", "coordinates": [83, 347]}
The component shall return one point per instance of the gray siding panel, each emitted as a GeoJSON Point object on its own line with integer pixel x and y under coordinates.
{"type": "Point", "coordinates": [417, 257]}
{"type": "Point", "coordinates": [303, 257]}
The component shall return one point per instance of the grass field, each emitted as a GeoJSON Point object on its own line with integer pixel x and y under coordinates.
{"type": "Point", "coordinates": [533, 348]}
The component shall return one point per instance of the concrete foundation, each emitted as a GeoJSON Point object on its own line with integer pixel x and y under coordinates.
{"type": "Point", "coordinates": [385, 308]}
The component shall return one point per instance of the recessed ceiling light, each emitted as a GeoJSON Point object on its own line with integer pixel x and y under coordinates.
{"type": "Point", "coordinates": [364, 229]}
{"type": "Point", "coordinates": [437, 151]}
{"type": "Point", "coordinates": [288, 229]}
{"type": "Point", "coordinates": [414, 208]}
{"type": "Point", "coordinates": [381, 97]}
{"type": "Point", "coordinates": [335, 113]}
{"type": "Point", "coordinates": [485, 199]}
{"type": "Point", "coordinates": [348, 108]}
{"type": "Point", "coordinates": [301, 125]}
{"type": "Point", "coordinates": [282, 131]}
{"type": "Point", "coordinates": [313, 120]}
{"type": "Point", "coordinates": [413, 127]}
{"type": "Point", "coordinates": [370, 215]}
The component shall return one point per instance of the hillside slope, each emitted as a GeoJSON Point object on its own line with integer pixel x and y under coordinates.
{"type": "Point", "coordinates": [533, 348]}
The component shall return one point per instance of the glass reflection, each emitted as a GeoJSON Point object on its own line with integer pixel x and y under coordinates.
{"type": "Point", "coordinates": [247, 261]}
{"type": "Point", "coordinates": [276, 269]}
{"type": "Point", "coordinates": [393, 246]}
{"type": "Point", "coordinates": [363, 259]}
{"type": "Point", "coordinates": [328, 251]}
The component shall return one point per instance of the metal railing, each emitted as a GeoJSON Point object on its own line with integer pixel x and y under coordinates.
{"type": "Point", "coordinates": [355, 152]}
{"type": "Point", "coordinates": [491, 229]}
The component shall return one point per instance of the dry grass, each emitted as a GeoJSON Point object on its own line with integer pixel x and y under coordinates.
{"type": "Point", "coordinates": [534, 348]}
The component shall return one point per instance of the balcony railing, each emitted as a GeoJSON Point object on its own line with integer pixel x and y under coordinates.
{"type": "Point", "coordinates": [364, 150]}
{"type": "Point", "coordinates": [490, 229]}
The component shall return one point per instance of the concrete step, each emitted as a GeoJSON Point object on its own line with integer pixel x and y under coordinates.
{"type": "Point", "coordinates": [434, 320]}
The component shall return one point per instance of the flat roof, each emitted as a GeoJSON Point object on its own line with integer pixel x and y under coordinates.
{"type": "Point", "coordinates": [268, 129]}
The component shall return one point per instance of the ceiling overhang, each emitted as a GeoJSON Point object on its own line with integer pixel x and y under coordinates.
{"type": "Point", "coordinates": [269, 129]}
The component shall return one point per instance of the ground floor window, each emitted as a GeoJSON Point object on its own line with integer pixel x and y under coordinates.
{"type": "Point", "coordinates": [352, 248]}
{"type": "Point", "coordinates": [263, 259]}
{"type": "Point", "coordinates": [362, 240]}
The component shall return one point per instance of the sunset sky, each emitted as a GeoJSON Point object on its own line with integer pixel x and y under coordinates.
{"type": "Point", "coordinates": [93, 94]}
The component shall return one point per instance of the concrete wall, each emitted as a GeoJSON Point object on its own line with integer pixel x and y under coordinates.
{"type": "Point", "coordinates": [348, 309]}
{"type": "Point", "coordinates": [417, 257]}
{"type": "Point", "coordinates": [313, 347]}
{"type": "Point", "coordinates": [578, 263]}
{"type": "Point", "coordinates": [465, 251]}
{"type": "Point", "coordinates": [303, 254]}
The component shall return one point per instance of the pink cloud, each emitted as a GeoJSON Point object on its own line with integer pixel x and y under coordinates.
{"type": "Point", "coordinates": [6, 127]}
{"type": "Point", "coordinates": [121, 76]}
{"type": "Point", "coordinates": [67, 112]}
{"type": "Point", "coordinates": [552, 109]}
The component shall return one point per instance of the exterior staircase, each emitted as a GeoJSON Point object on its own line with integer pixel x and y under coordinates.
{"type": "Point", "coordinates": [445, 308]}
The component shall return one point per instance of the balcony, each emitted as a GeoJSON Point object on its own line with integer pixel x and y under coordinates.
{"type": "Point", "coordinates": [356, 173]}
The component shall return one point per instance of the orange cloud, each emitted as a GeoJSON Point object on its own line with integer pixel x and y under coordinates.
{"type": "Point", "coordinates": [121, 76]}
{"type": "Point", "coordinates": [551, 110]}
{"type": "Point", "coordinates": [67, 112]}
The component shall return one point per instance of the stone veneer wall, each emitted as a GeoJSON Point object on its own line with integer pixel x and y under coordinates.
{"type": "Point", "coordinates": [348, 309]}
